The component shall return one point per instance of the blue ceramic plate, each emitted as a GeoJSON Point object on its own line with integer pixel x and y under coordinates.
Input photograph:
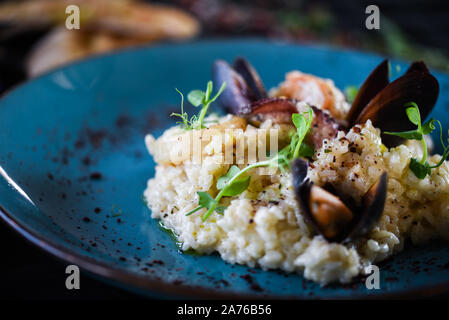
{"type": "Point", "coordinates": [74, 166]}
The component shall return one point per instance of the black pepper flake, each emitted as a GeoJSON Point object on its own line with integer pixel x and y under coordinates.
{"type": "Point", "coordinates": [226, 283]}
{"type": "Point", "coordinates": [253, 285]}
{"type": "Point", "coordinates": [86, 219]}
{"type": "Point", "coordinates": [95, 176]}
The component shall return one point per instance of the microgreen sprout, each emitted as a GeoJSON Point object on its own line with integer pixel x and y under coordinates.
{"type": "Point", "coordinates": [351, 93]}
{"type": "Point", "coordinates": [421, 168]}
{"type": "Point", "coordinates": [197, 98]}
{"type": "Point", "coordinates": [235, 181]}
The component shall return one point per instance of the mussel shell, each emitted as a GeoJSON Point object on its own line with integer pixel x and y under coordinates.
{"type": "Point", "coordinates": [300, 168]}
{"type": "Point", "coordinates": [387, 111]}
{"type": "Point", "coordinates": [373, 204]}
{"type": "Point", "coordinates": [303, 186]}
{"type": "Point", "coordinates": [235, 98]}
{"type": "Point", "coordinates": [376, 81]}
{"type": "Point", "coordinates": [243, 85]}
{"type": "Point", "coordinates": [365, 217]}
{"type": "Point", "coordinates": [418, 66]}
{"type": "Point", "coordinates": [324, 126]}
{"type": "Point", "coordinates": [251, 77]}
{"type": "Point", "coordinates": [279, 110]}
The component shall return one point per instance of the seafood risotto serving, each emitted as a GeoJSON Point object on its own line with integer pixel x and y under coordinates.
{"type": "Point", "coordinates": [348, 186]}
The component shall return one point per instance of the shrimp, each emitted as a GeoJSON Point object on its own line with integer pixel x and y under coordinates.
{"type": "Point", "coordinates": [315, 91]}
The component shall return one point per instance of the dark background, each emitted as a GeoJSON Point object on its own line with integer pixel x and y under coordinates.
{"type": "Point", "coordinates": [409, 30]}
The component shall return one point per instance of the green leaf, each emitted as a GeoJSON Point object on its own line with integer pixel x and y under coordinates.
{"type": "Point", "coordinates": [420, 170]}
{"type": "Point", "coordinates": [298, 120]}
{"type": "Point", "coordinates": [236, 187]}
{"type": "Point", "coordinates": [206, 201]}
{"type": "Point", "coordinates": [306, 151]}
{"type": "Point", "coordinates": [428, 127]}
{"type": "Point", "coordinates": [220, 209]}
{"type": "Point", "coordinates": [223, 180]}
{"type": "Point", "coordinates": [209, 89]}
{"type": "Point", "coordinates": [413, 113]}
{"type": "Point", "coordinates": [351, 93]}
{"type": "Point", "coordinates": [292, 146]}
{"type": "Point", "coordinates": [410, 135]}
{"type": "Point", "coordinates": [302, 125]}
{"type": "Point", "coordinates": [220, 91]}
{"type": "Point", "coordinates": [196, 97]}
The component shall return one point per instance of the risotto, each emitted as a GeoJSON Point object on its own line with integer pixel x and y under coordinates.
{"type": "Point", "coordinates": [263, 225]}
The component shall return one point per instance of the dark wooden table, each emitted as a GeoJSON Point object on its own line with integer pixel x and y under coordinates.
{"type": "Point", "coordinates": [27, 272]}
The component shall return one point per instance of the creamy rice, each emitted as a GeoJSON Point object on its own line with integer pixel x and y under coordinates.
{"type": "Point", "coordinates": [264, 227]}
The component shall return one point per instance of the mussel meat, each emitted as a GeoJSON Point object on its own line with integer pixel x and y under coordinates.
{"type": "Point", "coordinates": [332, 217]}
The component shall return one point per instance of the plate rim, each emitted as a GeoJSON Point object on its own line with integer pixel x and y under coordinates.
{"type": "Point", "coordinates": [140, 283]}
{"type": "Point", "coordinates": [153, 286]}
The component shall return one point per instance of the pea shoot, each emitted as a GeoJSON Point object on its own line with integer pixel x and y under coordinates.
{"type": "Point", "coordinates": [421, 168]}
{"type": "Point", "coordinates": [197, 98]}
{"type": "Point", "coordinates": [234, 182]}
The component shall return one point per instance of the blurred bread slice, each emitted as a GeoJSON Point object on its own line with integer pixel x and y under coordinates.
{"type": "Point", "coordinates": [62, 46]}
{"type": "Point", "coordinates": [105, 25]}
{"type": "Point", "coordinates": [125, 17]}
